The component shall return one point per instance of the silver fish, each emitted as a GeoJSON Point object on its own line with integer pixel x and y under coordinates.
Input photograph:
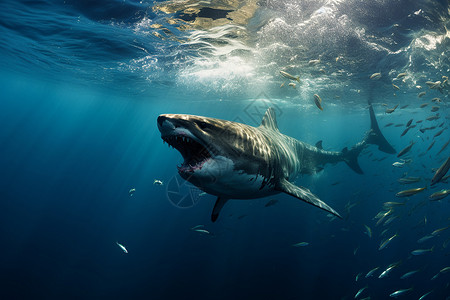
{"type": "Point", "coordinates": [289, 76]}
{"type": "Point", "coordinates": [439, 195]}
{"type": "Point", "coordinates": [425, 238]}
{"type": "Point", "coordinates": [370, 273]}
{"type": "Point", "coordinates": [202, 231]}
{"type": "Point", "coordinates": [409, 274]}
{"type": "Point", "coordinates": [368, 231]}
{"type": "Point", "coordinates": [360, 292]}
{"type": "Point", "coordinates": [301, 244]}
{"type": "Point", "coordinates": [375, 76]}
{"type": "Point", "coordinates": [400, 292]}
{"type": "Point", "coordinates": [425, 295]}
{"type": "Point", "coordinates": [318, 101]}
{"type": "Point", "coordinates": [122, 247]}
{"type": "Point", "coordinates": [406, 149]}
{"type": "Point", "coordinates": [410, 192]}
{"type": "Point", "coordinates": [422, 251]}
{"type": "Point", "coordinates": [443, 169]}
{"type": "Point", "coordinates": [386, 242]}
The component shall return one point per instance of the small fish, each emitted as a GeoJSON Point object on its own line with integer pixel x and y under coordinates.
{"type": "Point", "coordinates": [386, 242]}
{"type": "Point", "coordinates": [421, 94]}
{"type": "Point", "coordinates": [429, 147]}
{"type": "Point", "coordinates": [405, 131]}
{"type": "Point", "coordinates": [289, 76]}
{"type": "Point", "coordinates": [388, 270]}
{"type": "Point", "coordinates": [439, 195]}
{"type": "Point", "coordinates": [131, 192]}
{"type": "Point", "coordinates": [398, 164]}
{"type": "Point", "coordinates": [318, 101]}
{"type": "Point", "coordinates": [436, 100]}
{"type": "Point", "coordinates": [400, 292]}
{"type": "Point", "coordinates": [439, 132]}
{"type": "Point", "coordinates": [434, 108]}
{"type": "Point", "coordinates": [422, 251]}
{"type": "Point", "coordinates": [434, 85]}
{"type": "Point", "coordinates": [395, 86]}
{"type": "Point", "coordinates": [445, 270]}
{"type": "Point", "coordinates": [423, 105]}
{"type": "Point", "coordinates": [409, 123]}
{"type": "Point", "coordinates": [368, 231]}
{"type": "Point", "coordinates": [375, 76]}
{"type": "Point", "coordinates": [418, 122]}
{"type": "Point", "coordinates": [425, 295]}
{"type": "Point", "coordinates": [157, 182]}
{"type": "Point", "coordinates": [357, 276]}
{"type": "Point", "coordinates": [360, 292]}
{"type": "Point", "coordinates": [435, 276]}
{"type": "Point", "coordinates": [443, 147]}
{"type": "Point", "coordinates": [410, 192]}
{"type": "Point", "coordinates": [390, 204]}
{"type": "Point", "coordinates": [313, 62]}
{"type": "Point", "coordinates": [389, 221]}
{"type": "Point", "coordinates": [197, 227]}
{"type": "Point", "coordinates": [370, 273]}
{"type": "Point", "coordinates": [443, 169]}
{"type": "Point", "coordinates": [384, 232]}
{"type": "Point", "coordinates": [382, 215]}
{"type": "Point", "coordinates": [401, 75]}
{"type": "Point", "coordinates": [409, 274]}
{"type": "Point", "coordinates": [432, 118]}
{"type": "Point", "coordinates": [406, 149]}
{"type": "Point", "coordinates": [301, 244]}
{"type": "Point", "coordinates": [425, 238]}
{"type": "Point", "coordinates": [293, 85]}
{"type": "Point", "coordinates": [122, 247]}
{"type": "Point", "coordinates": [407, 180]}
{"type": "Point", "coordinates": [391, 110]}
{"type": "Point", "coordinates": [404, 106]}
{"type": "Point", "coordinates": [271, 202]}
{"type": "Point", "coordinates": [281, 85]}
{"type": "Point", "coordinates": [437, 231]}
{"type": "Point", "coordinates": [388, 124]}
{"type": "Point", "coordinates": [204, 231]}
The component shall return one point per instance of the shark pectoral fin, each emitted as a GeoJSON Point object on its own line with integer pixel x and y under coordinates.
{"type": "Point", "coordinates": [220, 202]}
{"type": "Point", "coordinates": [305, 195]}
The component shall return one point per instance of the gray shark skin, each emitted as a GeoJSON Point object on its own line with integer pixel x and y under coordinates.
{"type": "Point", "coordinates": [236, 161]}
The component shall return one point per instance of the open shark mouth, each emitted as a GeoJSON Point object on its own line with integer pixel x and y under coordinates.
{"type": "Point", "coordinates": [195, 155]}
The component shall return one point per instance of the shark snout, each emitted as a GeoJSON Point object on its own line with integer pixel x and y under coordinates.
{"type": "Point", "coordinates": [164, 124]}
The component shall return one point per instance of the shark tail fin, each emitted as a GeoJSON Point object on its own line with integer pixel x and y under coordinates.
{"type": "Point", "coordinates": [351, 158]}
{"type": "Point", "coordinates": [375, 136]}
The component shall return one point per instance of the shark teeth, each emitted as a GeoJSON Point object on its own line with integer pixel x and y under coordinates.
{"type": "Point", "coordinates": [194, 153]}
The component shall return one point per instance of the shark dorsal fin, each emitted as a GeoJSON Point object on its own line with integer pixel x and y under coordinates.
{"type": "Point", "coordinates": [269, 120]}
{"type": "Point", "coordinates": [319, 145]}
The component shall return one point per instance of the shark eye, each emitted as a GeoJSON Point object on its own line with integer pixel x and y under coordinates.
{"type": "Point", "coordinates": [203, 125]}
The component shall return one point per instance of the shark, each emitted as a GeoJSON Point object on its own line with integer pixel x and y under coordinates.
{"type": "Point", "coordinates": [232, 160]}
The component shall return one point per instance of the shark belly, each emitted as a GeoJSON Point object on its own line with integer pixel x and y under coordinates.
{"type": "Point", "coordinates": [221, 178]}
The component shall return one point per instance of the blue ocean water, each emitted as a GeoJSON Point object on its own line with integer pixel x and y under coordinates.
{"type": "Point", "coordinates": [83, 83]}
